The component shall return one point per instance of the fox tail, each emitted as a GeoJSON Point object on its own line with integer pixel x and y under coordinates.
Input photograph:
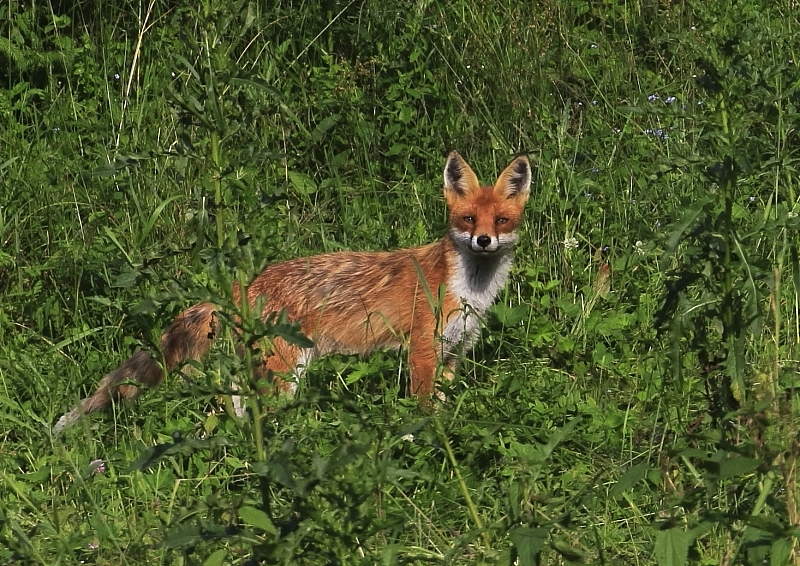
{"type": "Point", "coordinates": [189, 337]}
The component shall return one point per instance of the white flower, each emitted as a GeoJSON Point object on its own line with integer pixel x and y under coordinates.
{"type": "Point", "coordinates": [570, 243]}
{"type": "Point", "coordinates": [407, 437]}
{"type": "Point", "coordinates": [638, 247]}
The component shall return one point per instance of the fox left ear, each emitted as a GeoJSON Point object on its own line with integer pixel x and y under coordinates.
{"type": "Point", "coordinates": [459, 178]}
{"type": "Point", "coordinates": [515, 180]}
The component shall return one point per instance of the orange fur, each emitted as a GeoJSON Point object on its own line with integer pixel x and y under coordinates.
{"type": "Point", "coordinates": [355, 302]}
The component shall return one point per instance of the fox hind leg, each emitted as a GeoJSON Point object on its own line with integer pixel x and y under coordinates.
{"type": "Point", "coordinates": [277, 371]}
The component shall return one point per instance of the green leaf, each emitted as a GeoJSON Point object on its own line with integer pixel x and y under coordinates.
{"type": "Point", "coordinates": [737, 466]}
{"type": "Point", "coordinates": [324, 126]}
{"type": "Point", "coordinates": [256, 83]}
{"type": "Point", "coordinates": [211, 423]}
{"type": "Point", "coordinates": [216, 558]}
{"type": "Point", "coordinates": [672, 547]}
{"type": "Point", "coordinates": [688, 219]}
{"type": "Point", "coordinates": [629, 478]}
{"type": "Point", "coordinates": [559, 435]}
{"type": "Point", "coordinates": [292, 334]}
{"type": "Point", "coordinates": [74, 338]}
{"type": "Point", "coordinates": [185, 535]}
{"type": "Point", "coordinates": [8, 162]}
{"type": "Point", "coordinates": [302, 183]}
{"type": "Point", "coordinates": [511, 316]}
{"type": "Point", "coordinates": [145, 231]}
{"type": "Point", "coordinates": [566, 550]}
{"type": "Point", "coordinates": [529, 544]}
{"type": "Point", "coordinates": [113, 238]}
{"type": "Point", "coordinates": [780, 553]}
{"type": "Point", "coordinates": [126, 279]}
{"type": "Point", "coordinates": [258, 519]}
{"type": "Point", "coordinates": [771, 525]}
{"type": "Point", "coordinates": [180, 446]}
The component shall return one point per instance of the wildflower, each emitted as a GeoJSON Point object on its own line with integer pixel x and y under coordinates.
{"type": "Point", "coordinates": [97, 466]}
{"type": "Point", "coordinates": [792, 214]}
{"type": "Point", "coordinates": [407, 437]}
{"type": "Point", "coordinates": [638, 247]}
{"type": "Point", "coordinates": [570, 243]}
{"type": "Point", "coordinates": [670, 100]}
{"type": "Point", "coordinates": [652, 97]}
{"type": "Point", "coordinates": [659, 133]}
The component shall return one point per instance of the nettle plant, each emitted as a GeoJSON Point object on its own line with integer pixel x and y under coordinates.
{"type": "Point", "coordinates": [728, 259]}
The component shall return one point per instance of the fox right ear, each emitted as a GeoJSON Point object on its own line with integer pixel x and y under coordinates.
{"type": "Point", "coordinates": [458, 177]}
{"type": "Point", "coordinates": [515, 180]}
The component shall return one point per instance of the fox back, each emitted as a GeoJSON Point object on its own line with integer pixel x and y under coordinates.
{"type": "Point", "coordinates": [428, 299]}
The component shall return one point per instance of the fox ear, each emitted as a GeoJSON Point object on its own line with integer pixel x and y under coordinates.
{"type": "Point", "coordinates": [515, 180]}
{"type": "Point", "coordinates": [458, 177]}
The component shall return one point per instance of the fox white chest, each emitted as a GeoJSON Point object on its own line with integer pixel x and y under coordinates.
{"type": "Point", "coordinates": [475, 281]}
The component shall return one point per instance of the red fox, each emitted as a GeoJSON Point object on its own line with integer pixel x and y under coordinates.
{"type": "Point", "coordinates": [356, 302]}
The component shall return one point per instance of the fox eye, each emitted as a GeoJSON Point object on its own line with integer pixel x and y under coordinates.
{"type": "Point", "coordinates": [501, 221]}
{"type": "Point", "coordinates": [469, 219]}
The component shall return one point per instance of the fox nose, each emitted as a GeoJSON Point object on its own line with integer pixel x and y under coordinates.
{"type": "Point", "coordinates": [483, 240]}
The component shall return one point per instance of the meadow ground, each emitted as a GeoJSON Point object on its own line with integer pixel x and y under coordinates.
{"type": "Point", "coordinates": [631, 400]}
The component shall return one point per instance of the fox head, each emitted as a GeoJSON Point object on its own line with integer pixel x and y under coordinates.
{"type": "Point", "coordinates": [483, 220]}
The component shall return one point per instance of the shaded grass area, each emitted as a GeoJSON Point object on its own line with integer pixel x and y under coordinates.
{"type": "Point", "coordinates": [631, 400]}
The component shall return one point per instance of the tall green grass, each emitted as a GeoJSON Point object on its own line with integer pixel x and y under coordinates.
{"type": "Point", "coordinates": [632, 397]}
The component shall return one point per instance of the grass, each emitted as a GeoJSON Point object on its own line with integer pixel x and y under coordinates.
{"type": "Point", "coordinates": [632, 397]}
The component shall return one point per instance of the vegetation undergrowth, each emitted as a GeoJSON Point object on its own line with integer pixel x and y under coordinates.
{"type": "Point", "coordinates": [631, 400]}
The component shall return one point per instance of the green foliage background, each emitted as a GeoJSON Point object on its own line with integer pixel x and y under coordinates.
{"type": "Point", "coordinates": [632, 398]}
